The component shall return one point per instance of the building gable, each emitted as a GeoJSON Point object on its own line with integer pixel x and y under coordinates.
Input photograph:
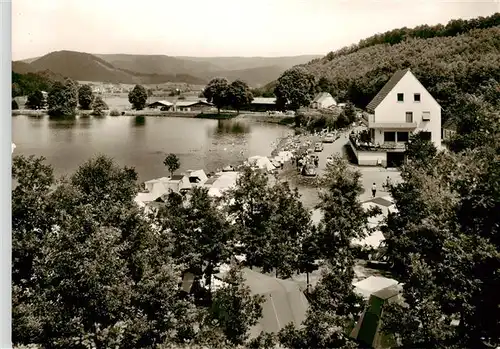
{"type": "Point", "coordinates": [401, 77]}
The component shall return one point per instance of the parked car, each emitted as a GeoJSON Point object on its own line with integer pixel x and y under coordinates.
{"type": "Point", "coordinates": [318, 146]}
{"type": "Point", "coordinates": [309, 170]}
{"type": "Point", "coordinates": [329, 138]}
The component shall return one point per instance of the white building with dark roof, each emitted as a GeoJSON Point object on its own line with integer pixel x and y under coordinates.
{"type": "Point", "coordinates": [323, 100]}
{"type": "Point", "coordinates": [402, 107]}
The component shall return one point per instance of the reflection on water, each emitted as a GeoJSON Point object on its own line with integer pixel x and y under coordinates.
{"type": "Point", "coordinates": [141, 143]}
{"type": "Point", "coordinates": [139, 121]}
{"type": "Point", "coordinates": [56, 123]}
{"type": "Point", "coordinates": [231, 126]}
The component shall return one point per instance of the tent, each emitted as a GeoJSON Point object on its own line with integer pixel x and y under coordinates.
{"type": "Point", "coordinates": [284, 302]}
{"type": "Point", "coordinates": [367, 329]}
{"type": "Point", "coordinates": [261, 162]}
{"type": "Point", "coordinates": [373, 284]}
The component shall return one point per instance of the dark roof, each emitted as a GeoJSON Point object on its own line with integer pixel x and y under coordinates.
{"type": "Point", "coordinates": [177, 177]}
{"type": "Point", "coordinates": [386, 293]}
{"type": "Point", "coordinates": [386, 89]}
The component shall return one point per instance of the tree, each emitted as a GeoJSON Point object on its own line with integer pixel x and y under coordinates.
{"type": "Point", "coordinates": [63, 98]}
{"type": "Point", "coordinates": [138, 97]}
{"type": "Point", "coordinates": [216, 92]}
{"type": "Point", "coordinates": [87, 273]}
{"type": "Point", "coordinates": [99, 106]}
{"type": "Point", "coordinates": [295, 88]}
{"type": "Point", "coordinates": [420, 149]}
{"type": "Point", "coordinates": [290, 224]}
{"type": "Point", "coordinates": [445, 232]}
{"type": "Point", "coordinates": [172, 163]}
{"type": "Point", "coordinates": [200, 234]}
{"type": "Point", "coordinates": [235, 308]}
{"type": "Point", "coordinates": [324, 85]}
{"type": "Point", "coordinates": [14, 106]}
{"type": "Point", "coordinates": [35, 100]}
{"type": "Point", "coordinates": [333, 303]}
{"type": "Point", "coordinates": [239, 95]}
{"type": "Point", "coordinates": [85, 97]}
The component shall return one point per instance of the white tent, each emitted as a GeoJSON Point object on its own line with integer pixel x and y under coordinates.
{"type": "Point", "coordinates": [261, 162]}
{"type": "Point", "coordinates": [373, 284]}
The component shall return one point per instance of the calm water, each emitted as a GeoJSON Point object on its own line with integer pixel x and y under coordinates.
{"type": "Point", "coordinates": [207, 144]}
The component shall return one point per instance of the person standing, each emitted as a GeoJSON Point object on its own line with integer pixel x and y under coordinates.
{"type": "Point", "coordinates": [374, 189]}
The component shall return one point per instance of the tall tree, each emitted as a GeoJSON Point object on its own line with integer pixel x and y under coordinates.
{"type": "Point", "coordinates": [216, 92]}
{"type": "Point", "coordinates": [239, 95]}
{"type": "Point", "coordinates": [99, 106]}
{"type": "Point", "coordinates": [35, 100]}
{"type": "Point", "coordinates": [295, 88]}
{"type": "Point", "coordinates": [172, 163]}
{"type": "Point", "coordinates": [444, 236]}
{"type": "Point", "coordinates": [63, 98]}
{"type": "Point", "coordinates": [333, 302]}
{"type": "Point", "coordinates": [200, 234]}
{"type": "Point", "coordinates": [138, 97]}
{"type": "Point", "coordinates": [290, 224]}
{"type": "Point", "coordinates": [85, 96]}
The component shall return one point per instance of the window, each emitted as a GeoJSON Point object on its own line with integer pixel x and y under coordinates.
{"type": "Point", "coordinates": [409, 116]}
{"type": "Point", "coordinates": [425, 136]}
{"type": "Point", "coordinates": [401, 97]}
{"type": "Point", "coordinates": [416, 97]}
{"type": "Point", "coordinates": [402, 136]}
{"type": "Point", "coordinates": [389, 136]}
{"type": "Point", "coordinates": [426, 115]}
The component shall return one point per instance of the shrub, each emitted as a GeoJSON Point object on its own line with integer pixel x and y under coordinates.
{"type": "Point", "coordinates": [114, 112]}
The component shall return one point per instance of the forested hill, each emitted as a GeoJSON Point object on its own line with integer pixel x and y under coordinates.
{"type": "Point", "coordinates": [449, 60]}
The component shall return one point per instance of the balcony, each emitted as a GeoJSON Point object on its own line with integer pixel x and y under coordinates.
{"type": "Point", "coordinates": [361, 144]}
{"type": "Point", "coordinates": [390, 125]}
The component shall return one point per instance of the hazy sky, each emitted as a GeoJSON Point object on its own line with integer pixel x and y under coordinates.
{"type": "Point", "coordinates": [219, 27]}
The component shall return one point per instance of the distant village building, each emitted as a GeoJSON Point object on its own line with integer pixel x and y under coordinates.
{"type": "Point", "coordinates": [162, 105]}
{"type": "Point", "coordinates": [323, 100]}
{"type": "Point", "coordinates": [402, 107]}
{"type": "Point", "coordinates": [261, 104]}
{"type": "Point", "coordinates": [187, 106]}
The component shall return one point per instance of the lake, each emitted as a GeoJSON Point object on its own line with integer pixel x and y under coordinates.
{"type": "Point", "coordinates": [143, 143]}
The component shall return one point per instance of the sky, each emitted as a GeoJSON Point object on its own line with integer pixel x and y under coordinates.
{"type": "Point", "coordinates": [209, 28]}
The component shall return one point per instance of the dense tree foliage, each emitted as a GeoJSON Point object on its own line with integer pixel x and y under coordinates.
{"type": "Point", "coordinates": [63, 98]}
{"type": "Point", "coordinates": [138, 97]}
{"type": "Point", "coordinates": [90, 270]}
{"type": "Point", "coordinates": [216, 92]}
{"type": "Point", "coordinates": [447, 64]}
{"type": "Point", "coordinates": [334, 305]}
{"type": "Point", "coordinates": [443, 241]}
{"type": "Point", "coordinates": [85, 97]}
{"type": "Point", "coordinates": [99, 106]}
{"type": "Point", "coordinates": [25, 84]}
{"type": "Point", "coordinates": [295, 88]}
{"type": "Point", "coordinates": [35, 100]}
{"type": "Point", "coordinates": [270, 222]}
{"type": "Point", "coordinates": [454, 27]}
{"type": "Point", "coordinates": [239, 95]}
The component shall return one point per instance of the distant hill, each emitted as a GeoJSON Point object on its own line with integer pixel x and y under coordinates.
{"type": "Point", "coordinates": [242, 63]}
{"type": "Point", "coordinates": [155, 69]}
{"type": "Point", "coordinates": [449, 60]}
{"type": "Point", "coordinates": [88, 67]}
